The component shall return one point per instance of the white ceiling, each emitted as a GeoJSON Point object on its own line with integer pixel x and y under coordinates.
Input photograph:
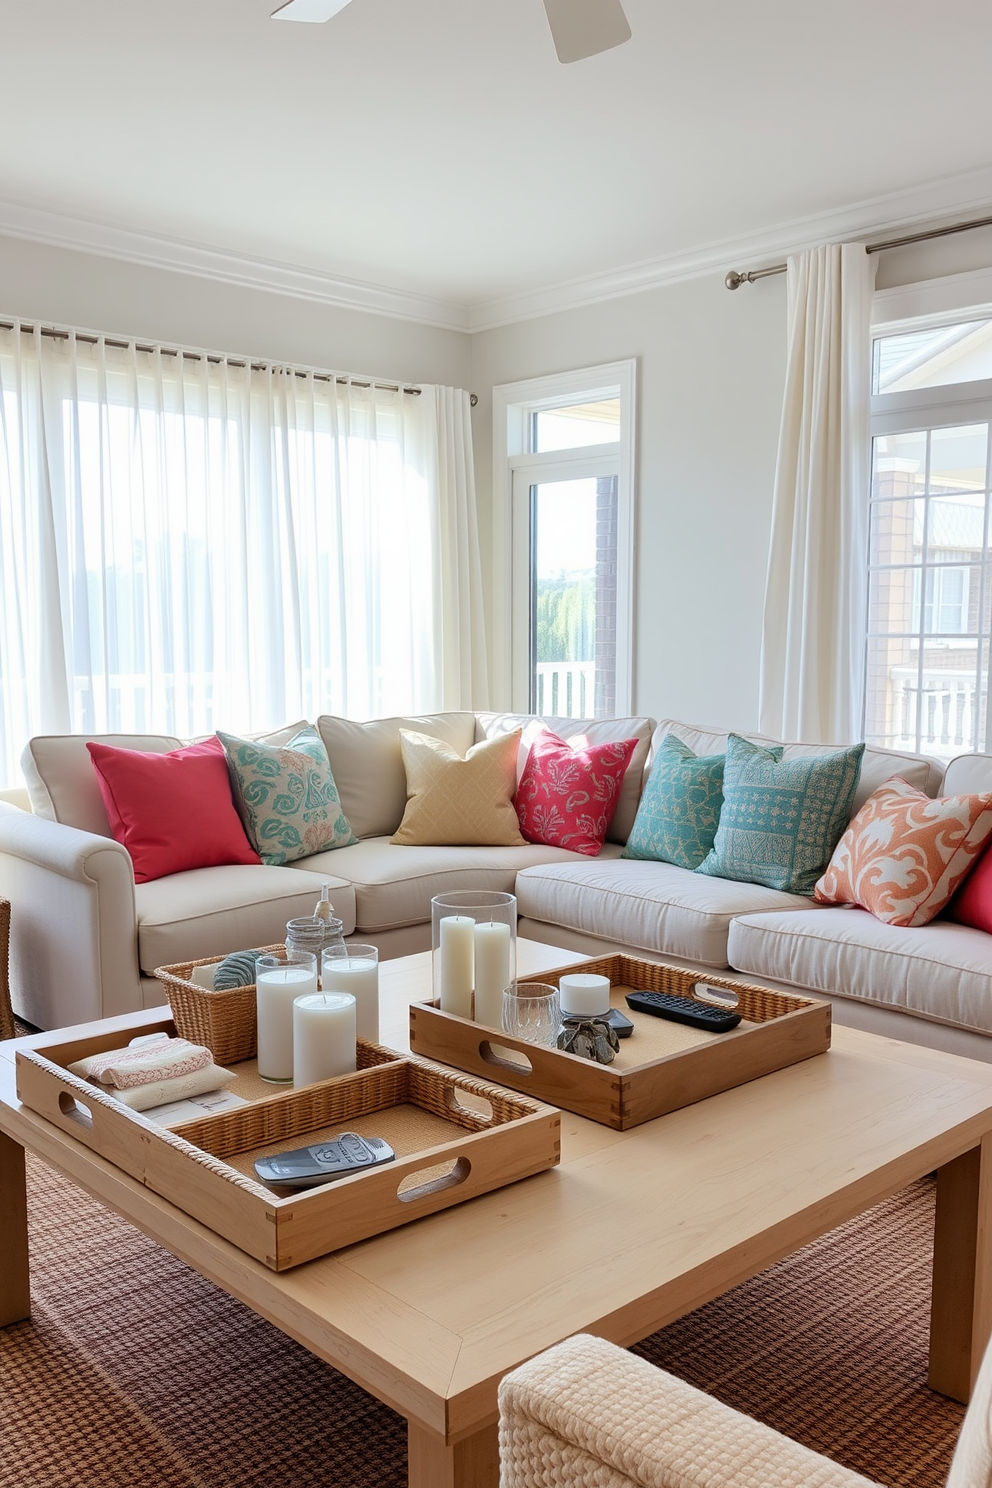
{"type": "Point", "coordinates": [438, 147]}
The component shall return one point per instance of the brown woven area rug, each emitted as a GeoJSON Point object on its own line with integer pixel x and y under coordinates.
{"type": "Point", "coordinates": [136, 1373]}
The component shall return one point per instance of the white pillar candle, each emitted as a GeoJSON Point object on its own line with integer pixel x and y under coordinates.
{"type": "Point", "coordinates": [492, 971]}
{"type": "Point", "coordinates": [457, 969]}
{"type": "Point", "coordinates": [358, 975]}
{"type": "Point", "coordinates": [276, 989]}
{"type": "Point", "coordinates": [583, 995]}
{"type": "Point", "coordinates": [323, 1037]}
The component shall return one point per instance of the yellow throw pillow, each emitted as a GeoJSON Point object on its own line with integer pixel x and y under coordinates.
{"type": "Point", "coordinates": [459, 802]}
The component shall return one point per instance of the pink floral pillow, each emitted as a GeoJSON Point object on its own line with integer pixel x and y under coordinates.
{"type": "Point", "coordinates": [904, 854]}
{"type": "Point", "coordinates": [567, 797]}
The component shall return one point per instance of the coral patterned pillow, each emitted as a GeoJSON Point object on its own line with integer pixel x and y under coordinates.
{"type": "Point", "coordinates": [567, 797]}
{"type": "Point", "coordinates": [904, 854]}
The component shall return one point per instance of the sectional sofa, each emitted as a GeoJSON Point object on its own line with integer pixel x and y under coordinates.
{"type": "Point", "coordinates": [86, 938]}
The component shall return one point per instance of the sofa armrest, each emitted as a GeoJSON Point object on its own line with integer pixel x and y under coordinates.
{"type": "Point", "coordinates": [588, 1413]}
{"type": "Point", "coordinates": [73, 937]}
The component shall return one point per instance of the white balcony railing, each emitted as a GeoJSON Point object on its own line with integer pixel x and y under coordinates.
{"type": "Point", "coordinates": [565, 689]}
{"type": "Point", "coordinates": [940, 710]}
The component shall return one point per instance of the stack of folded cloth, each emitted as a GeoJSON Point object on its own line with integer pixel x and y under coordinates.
{"type": "Point", "coordinates": [153, 1071]}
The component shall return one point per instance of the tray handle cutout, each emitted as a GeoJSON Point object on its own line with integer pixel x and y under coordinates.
{"type": "Point", "coordinates": [467, 1103]}
{"type": "Point", "coordinates": [449, 1176]}
{"type": "Point", "coordinates": [75, 1110]}
{"type": "Point", "coordinates": [504, 1058]}
{"type": "Point", "coordinates": [720, 997]}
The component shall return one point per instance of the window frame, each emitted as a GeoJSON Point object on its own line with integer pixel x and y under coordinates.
{"type": "Point", "coordinates": [515, 462]}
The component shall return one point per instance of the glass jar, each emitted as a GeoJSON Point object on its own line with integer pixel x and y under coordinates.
{"type": "Point", "coordinates": [317, 935]}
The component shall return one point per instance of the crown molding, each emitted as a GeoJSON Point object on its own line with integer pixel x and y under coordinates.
{"type": "Point", "coordinates": [929, 204]}
{"type": "Point", "coordinates": [108, 241]}
{"type": "Point", "coordinates": [898, 210]}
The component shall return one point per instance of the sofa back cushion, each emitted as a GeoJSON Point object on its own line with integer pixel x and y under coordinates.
{"type": "Point", "coordinates": [968, 775]}
{"type": "Point", "coordinates": [62, 782]}
{"type": "Point", "coordinates": [578, 732]}
{"type": "Point", "coordinates": [877, 765]}
{"type": "Point", "coordinates": [367, 763]}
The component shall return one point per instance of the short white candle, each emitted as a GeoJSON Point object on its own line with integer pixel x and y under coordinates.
{"type": "Point", "coordinates": [583, 995]}
{"type": "Point", "coordinates": [492, 971]}
{"type": "Point", "coordinates": [358, 975]}
{"type": "Point", "coordinates": [276, 989]}
{"type": "Point", "coordinates": [457, 969]}
{"type": "Point", "coordinates": [323, 1037]}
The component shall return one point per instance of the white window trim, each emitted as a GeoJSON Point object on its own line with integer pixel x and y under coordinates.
{"type": "Point", "coordinates": [513, 404]}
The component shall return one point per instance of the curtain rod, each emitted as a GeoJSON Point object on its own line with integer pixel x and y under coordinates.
{"type": "Point", "coordinates": [734, 280]}
{"type": "Point", "coordinates": [205, 356]}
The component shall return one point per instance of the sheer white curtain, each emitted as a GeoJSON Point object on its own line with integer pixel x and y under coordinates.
{"type": "Point", "coordinates": [189, 543]}
{"type": "Point", "coordinates": [812, 659]}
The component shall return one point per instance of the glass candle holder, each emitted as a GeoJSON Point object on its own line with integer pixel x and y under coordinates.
{"type": "Point", "coordinates": [311, 933]}
{"type": "Point", "coordinates": [278, 982]}
{"type": "Point", "coordinates": [531, 1011]}
{"type": "Point", "coordinates": [356, 972]}
{"type": "Point", "coordinates": [474, 952]}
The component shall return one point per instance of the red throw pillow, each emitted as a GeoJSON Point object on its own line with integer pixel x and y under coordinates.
{"type": "Point", "coordinates": [972, 904]}
{"type": "Point", "coordinates": [567, 797]}
{"type": "Point", "coordinates": [172, 811]}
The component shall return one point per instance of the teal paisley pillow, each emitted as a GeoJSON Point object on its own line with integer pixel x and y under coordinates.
{"type": "Point", "coordinates": [286, 796]}
{"type": "Point", "coordinates": [782, 819]}
{"type": "Point", "coordinates": [679, 811]}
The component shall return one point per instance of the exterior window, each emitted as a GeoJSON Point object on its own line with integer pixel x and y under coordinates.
{"type": "Point", "coordinates": [930, 564]}
{"type": "Point", "coordinates": [563, 498]}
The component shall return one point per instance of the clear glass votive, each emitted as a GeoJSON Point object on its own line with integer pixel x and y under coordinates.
{"type": "Point", "coordinates": [356, 972]}
{"type": "Point", "coordinates": [531, 1011]}
{"type": "Point", "coordinates": [474, 952]}
{"type": "Point", "coordinates": [278, 982]}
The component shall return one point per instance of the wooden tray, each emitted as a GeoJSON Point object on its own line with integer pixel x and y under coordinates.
{"type": "Point", "coordinates": [454, 1138]}
{"type": "Point", "coordinates": [661, 1067]}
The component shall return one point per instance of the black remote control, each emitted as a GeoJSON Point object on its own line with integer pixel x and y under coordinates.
{"type": "Point", "coordinates": [683, 1010]}
{"type": "Point", "coordinates": [306, 1167]}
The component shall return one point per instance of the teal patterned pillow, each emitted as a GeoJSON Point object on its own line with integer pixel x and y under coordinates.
{"type": "Point", "coordinates": [286, 796]}
{"type": "Point", "coordinates": [678, 813]}
{"type": "Point", "coordinates": [782, 819]}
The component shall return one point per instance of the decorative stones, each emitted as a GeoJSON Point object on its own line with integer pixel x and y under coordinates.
{"type": "Point", "coordinates": [589, 1038]}
{"type": "Point", "coordinates": [236, 970]}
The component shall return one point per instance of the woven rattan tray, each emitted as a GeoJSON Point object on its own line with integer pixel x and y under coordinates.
{"type": "Point", "coordinates": [661, 1067]}
{"type": "Point", "coordinates": [223, 1021]}
{"type": "Point", "coordinates": [454, 1138]}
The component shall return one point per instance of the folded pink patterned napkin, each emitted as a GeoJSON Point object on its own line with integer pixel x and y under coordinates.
{"type": "Point", "coordinates": [145, 1064]}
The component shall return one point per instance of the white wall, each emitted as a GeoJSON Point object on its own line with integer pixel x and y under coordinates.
{"type": "Point", "coordinates": [81, 289]}
{"type": "Point", "coordinates": [711, 369]}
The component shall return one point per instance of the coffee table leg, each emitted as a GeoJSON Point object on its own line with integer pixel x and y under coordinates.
{"type": "Point", "coordinates": [15, 1293]}
{"type": "Point", "coordinates": [472, 1463]}
{"type": "Point", "coordinates": [961, 1317]}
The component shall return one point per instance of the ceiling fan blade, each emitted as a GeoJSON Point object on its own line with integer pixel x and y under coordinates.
{"type": "Point", "coordinates": [581, 28]}
{"type": "Point", "coordinates": [309, 10]}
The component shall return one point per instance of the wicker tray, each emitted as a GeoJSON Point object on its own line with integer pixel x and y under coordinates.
{"type": "Point", "coordinates": [223, 1021]}
{"type": "Point", "coordinates": [454, 1138]}
{"type": "Point", "coordinates": [661, 1067]}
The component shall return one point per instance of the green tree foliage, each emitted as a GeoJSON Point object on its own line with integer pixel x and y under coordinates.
{"type": "Point", "coordinates": [566, 618]}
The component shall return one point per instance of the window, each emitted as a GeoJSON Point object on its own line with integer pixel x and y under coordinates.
{"type": "Point", "coordinates": [930, 562]}
{"type": "Point", "coordinates": [563, 478]}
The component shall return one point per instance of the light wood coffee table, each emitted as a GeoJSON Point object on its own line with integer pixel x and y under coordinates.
{"type": "Point", "coordinates": [632, 1231]}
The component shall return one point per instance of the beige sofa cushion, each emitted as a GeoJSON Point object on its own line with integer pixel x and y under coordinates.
{"type": "Point", "coordinates": [367, 763]}
{"type": "Point", "coordinates": [586, 1414]}
{"type": "Point", "coordinates": [209, 911]}
{"type": "Point", "coordinates": [62, 782]}
{"type": "Point", "coordinates": [394, 885]}
{"type": "Point", "coordinates": [877, 766]}
{"type": "Point", "coordinates": [941, 970]}
{"type": "Point", "coordinates": [650, 906]}
{"type": "Point", "coordinates": [578, 732]}
{"type": "Point", "coordinates": [968, 775]}
{"type": "Point", "coordinates": [455, 801]}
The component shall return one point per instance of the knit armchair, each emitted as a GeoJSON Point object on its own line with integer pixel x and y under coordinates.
{"type": "Point", "coordinates": [587, 1414]}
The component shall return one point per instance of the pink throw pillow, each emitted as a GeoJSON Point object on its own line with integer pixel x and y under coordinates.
{"type": "Point", "coordinates": [172, 811]}
{"type": "Point", "coordinates": [566, 797]}
{"type": "Point", "coordinates": [972, 905]}
{"type": "Point", "coordinates": [904, 854]}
